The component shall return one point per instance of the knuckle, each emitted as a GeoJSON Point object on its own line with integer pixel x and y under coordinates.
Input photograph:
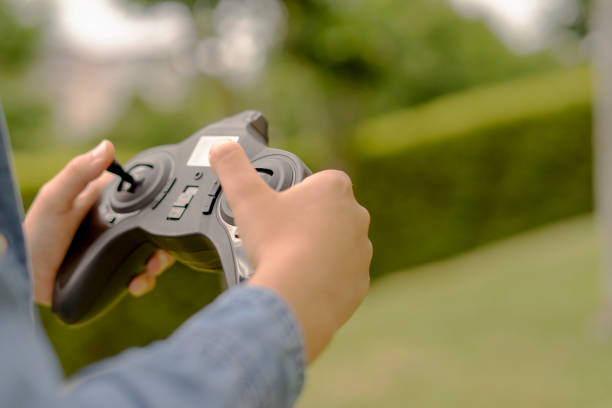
{"type": "Point", "coordinates": [365, 214]}
{"type": "Point", "coordinates": [74, 165]}
{"type": "Point", "coordinates": [74, 170]}
{"type": "Point", "coordinates": [48, 198]}
{"type": "Point", "coordinates": [43, 191]}
{"type": "Point", "coordinates": [339, 180]}
{"type": "Point", "coordinates": [370, 249]}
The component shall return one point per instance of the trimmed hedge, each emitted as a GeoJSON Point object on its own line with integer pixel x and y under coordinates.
{"type": "Point", "coordinates": [469, 168]}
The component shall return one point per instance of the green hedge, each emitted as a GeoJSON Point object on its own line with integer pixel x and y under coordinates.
{"type": "Point", "coordinates": [472, 167]}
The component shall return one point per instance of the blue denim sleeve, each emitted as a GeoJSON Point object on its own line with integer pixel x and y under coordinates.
{"type": "Point", "coordinates": [244, 350]}
{"type": "Point", "coordinates": [29, 372]}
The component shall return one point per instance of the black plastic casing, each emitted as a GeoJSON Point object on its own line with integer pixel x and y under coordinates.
{"type": "Point", "coordinates": [121, 232]}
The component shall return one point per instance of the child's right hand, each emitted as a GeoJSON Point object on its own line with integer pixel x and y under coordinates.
{"type": "Point", "coordinates": [309, 243]}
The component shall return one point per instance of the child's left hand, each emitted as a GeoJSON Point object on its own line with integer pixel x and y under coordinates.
{"type": "Point", "coordinates": [58, 210]}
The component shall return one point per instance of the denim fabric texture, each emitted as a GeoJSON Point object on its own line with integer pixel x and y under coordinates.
{"type": "Point", "coordinates": [243, 350]}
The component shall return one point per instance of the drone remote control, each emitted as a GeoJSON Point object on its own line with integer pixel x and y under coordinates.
{"type": "Point", "coordinates": [176, 204]}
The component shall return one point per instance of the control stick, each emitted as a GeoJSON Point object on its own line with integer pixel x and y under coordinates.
{"type": "Point", "coordinates": [117, 168]}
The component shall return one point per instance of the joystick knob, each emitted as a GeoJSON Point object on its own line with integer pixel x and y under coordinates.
{"type": "Point", "coordinates": [150, 175]}
{"type": "Point", "coordinates": [117, 169]}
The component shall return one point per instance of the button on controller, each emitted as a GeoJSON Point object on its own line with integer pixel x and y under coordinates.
{"type": "Point", "coordinates": [210, 198]}
{"type": "Point", "coordinates": [182, 202]}
{"type": "Point", "coordinates": [176, 213]}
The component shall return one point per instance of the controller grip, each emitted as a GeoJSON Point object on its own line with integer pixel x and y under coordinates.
{"type": "Point", "coordinates": [97, 271]}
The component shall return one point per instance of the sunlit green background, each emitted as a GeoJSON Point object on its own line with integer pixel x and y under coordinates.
{"type": "Point", "coordinates": [472, 150]}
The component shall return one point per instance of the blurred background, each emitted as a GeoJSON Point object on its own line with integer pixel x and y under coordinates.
{"type": "Point", "coordinates": [466, 126]}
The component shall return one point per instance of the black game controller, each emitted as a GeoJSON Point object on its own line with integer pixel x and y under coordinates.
{"type": "Point", "coordinates": [176, 204]}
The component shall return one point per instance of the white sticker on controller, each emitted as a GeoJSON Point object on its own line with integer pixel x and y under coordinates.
{"type": "Point", "coordinates": [199, 156]}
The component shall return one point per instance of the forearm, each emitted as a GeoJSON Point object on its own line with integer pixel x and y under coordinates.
{"type": "Point", "coordinates": [244, 350]}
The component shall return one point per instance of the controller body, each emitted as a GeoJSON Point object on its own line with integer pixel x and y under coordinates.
{"type": "Point", "coordinates": [178, 205]}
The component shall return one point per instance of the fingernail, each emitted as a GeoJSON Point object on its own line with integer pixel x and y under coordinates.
{"type": "Point", "coordinates": [164, 259]}
{"type": "Point", "coordinates": [98, 152]}
{"type": "Point", "coordinates": [216, 144]}
{"type": "Point", "coordinates": [154, 265]}
{"type": "Point", "coordinates": [139, 287]}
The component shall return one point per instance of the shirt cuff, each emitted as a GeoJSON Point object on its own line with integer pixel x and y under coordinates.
{"type": "Point", "coordinates": [259, 337]}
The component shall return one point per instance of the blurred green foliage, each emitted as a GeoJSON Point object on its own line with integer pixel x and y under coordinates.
{"type": "Point", "coordinates": [469, 168]}
{"type": "Point", "coordinates": [18, 44]}
{"type": "Point", "coordinates": [397, 53]}
{"type": "Point", "coordinates": [580, 25]}
{"type": "Point", "coordinates": [478, 108]}
{"type": "Point", "coordinates": [26, 108]}
{"type": "Point", "coordinates": [342, 61]}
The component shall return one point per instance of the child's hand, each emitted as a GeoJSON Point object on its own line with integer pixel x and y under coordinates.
{"type": "Point", "coordinates": [58, 210]}
{"type": "Point", "coordinates": [309, 243]}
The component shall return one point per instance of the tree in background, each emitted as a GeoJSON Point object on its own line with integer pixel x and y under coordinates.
{"type": "Point", "coordinates": [581, 25]}
{"type": "Point", "coordinates": [346, 60]}
{"type": "Point", "coordinates": [18, 44]}
{"type": "Point", "coordinates": [25, 109]}
{"type": "Point", "coordinates": [402, 52]}
{"type": "Point", "coordinates": [377, 56]}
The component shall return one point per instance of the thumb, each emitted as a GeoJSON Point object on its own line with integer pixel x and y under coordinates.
{"type": "Point", "coordinates": [66, 186]}
{"type": "Point", "coordinates": [239, 179]}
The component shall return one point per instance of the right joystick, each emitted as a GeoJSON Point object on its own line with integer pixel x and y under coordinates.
{"type": "Point", "coordinates": [276, 171]}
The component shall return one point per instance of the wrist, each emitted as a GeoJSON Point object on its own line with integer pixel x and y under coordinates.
{"type": "Point", "coordinates": [315, 321]}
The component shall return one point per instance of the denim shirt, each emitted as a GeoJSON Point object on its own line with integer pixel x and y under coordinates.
{"type": "Point", "coordinates": [243, 350]}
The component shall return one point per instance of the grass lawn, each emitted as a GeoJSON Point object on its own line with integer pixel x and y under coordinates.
{"type": "Point", "coordinates": [513, 324]}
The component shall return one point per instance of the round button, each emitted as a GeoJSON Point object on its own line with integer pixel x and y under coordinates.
{"type": "Point", "coordinates": [151, 176]}
{"type": "Point", "coordinates": [278, 169]}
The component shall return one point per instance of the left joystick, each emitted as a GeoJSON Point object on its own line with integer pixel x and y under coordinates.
{"type": "Point", "coordinates": [117, 169]}
{"type": "Point", "coordinates": [149, 175]}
